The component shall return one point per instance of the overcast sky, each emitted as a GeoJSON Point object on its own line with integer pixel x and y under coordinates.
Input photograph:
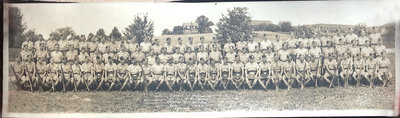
{"type": "Point", "coordinates": [85, 18]}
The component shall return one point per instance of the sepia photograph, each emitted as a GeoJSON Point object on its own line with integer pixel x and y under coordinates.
{"type": "Point", "coordinates": [145, 57]}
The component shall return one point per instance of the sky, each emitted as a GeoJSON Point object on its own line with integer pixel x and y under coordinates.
{"type": "Point", "coordinates": [85, 18]}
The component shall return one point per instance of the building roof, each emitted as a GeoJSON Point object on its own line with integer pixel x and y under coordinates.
{"type": "Point", "coordinates": [258, 22]}
{"type": "Point", "coordinates": [190, 24]}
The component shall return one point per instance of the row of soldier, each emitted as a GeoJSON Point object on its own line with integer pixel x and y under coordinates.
{"type": "Point", "coordinates": [303, 60]}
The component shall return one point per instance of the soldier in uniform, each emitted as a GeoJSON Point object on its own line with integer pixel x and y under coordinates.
{"type": "Point", "coordinates": [134, 77]}
{"type": "Point", "coordinates": [190, 45]}
{"type": "Point", "coordinates": [350, 36]}
{"type": "Point", "coordinates": [92, 45]}
{"type": "Point", "coordinates": [113, 46]}
{"type": "Point", "coordinates": [87, 70]}
{"type": "Point", "coordinates": [54, 74]}
{"type": "Point", "coordinates": [138, 56]}
{"type": "Point", "coordinates": [214, 75]}
{"type": "Point", "coordinates": [102, 46]}
{"type": "Point", "coordinates": [191, 73]}
{"type": "Point", "coordinates": [346, 67]}
{"type": "Point", "coordinates": [82, 43]}
{"type": "Point", "coordinates": [110, 74]}
{"type": "Point", "coordinates": [158, 72]}
{"type": "Point", "coordinates": [284, 53]}
{"type": "Point", "coordinates": [315, 69]}
{"type": "Point", "coordinates": [181, 74]}
{"type": "Point", "coordinates": [179, 47]}
{"type": "Point", "coordinates": [164, 57]}
{"type": "Point", "coordinates": [363, 40]}
{"type": "Point", "coordinates": [168, 46]}
{"type": "Point", "coordinates": [40, 43]}
{"type": "Point", "coordinates": [288, 72]}
{"type": "Point", "coordinates": [202, 73]}
{"type": "Point", "coordinates": [108, 56]}
{"type": "Point", "coordinates": [73, 42]}
{"type": "Point", "coordinates": [375, 37]}
{"type": "Point", "coordinates": [265, 72]}
{"type": "Point", "coordinates": [151, 57]}
{"type": "Point", "coordinates": [215, 46]}
{"type": "Point", "coordinates": [382, 72]}
{"type": "Point", "coordinates": [147, 73]}
{"type": "Point", "coordinates": [229, 46]}
{"type": "Point", "coordinates": [63, 43]}
{"type": "Point", "coordinates": [189, 54]}
{"type": "Point", "coordinates": [50, 43]}
{"type": "Point", "coordinates": [125, 55]}
{"type": "Point", "coordinates": [215, 55]}
{"type": "Point", "coordinates": [202, 53]}
{"type": "Point", "coordinates": [302, 71]}
{"type": "Point", "coordinates": [28, 44]}
{"type": "Point", "coordinates": [277, 71]}
{"type": "Point", "coordinates": [379, 50]}
{"type": "Point", "coordinates": [240, 45]}
{"type": "Point", "coordinates": [266, 44]}
{"type": "Point", "coordinates": [30, 70]}
{"type": "Point", "coordinates": [252, 45]}
{"type": "Point", "coordinates": [67, 73]}
{"type": "Point", "coordinates": [230, 56]}
{"type": "Point", "coordinates": [331, 70]}
{"type": "Point", "coordinates": [122, 73]}
{"type": "Point", "coordinates": [41, 54]}
{"type": "Point", "coordinates": [83, 55]}
{"type": "Point", "coordinates": [226, 74]}
{"type": "Point", "coordinates": [156, 47]}
{"type": "Point", "coordinates": [252, 73]}
{"type": "Point", "coordinates": [19, 71]}
{"type": "Point", "coordinates": [176, 56]}
{"type": "Point", "coordinates": [202, 44]}
{"type": "Point", "coordinates": [71, 55]}
{"type": "Point", "coordinates": [359, 68]}
{"type": "Point", "coordinates": [77, 75]}
{"type": "Point", "coordinates": [238, 72]}
{"type": "Point", "coordinates": [169, 75]}
{"type": "Point", "coordinates": [56, 55]}
{"type": "Point", "coordinates": [257, 54]}
{"type": "Point", "coordinates": [99, 71]}
{"type": "Point", "coordinates": [145, 46]}
{"type": "Point", "coordinates": [370, 70]}
{"type": "Point", "coordinates": [277, 45]}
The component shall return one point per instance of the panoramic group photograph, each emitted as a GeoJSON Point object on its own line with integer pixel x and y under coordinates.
{"type": "Point", "coordinates": [200, 57]}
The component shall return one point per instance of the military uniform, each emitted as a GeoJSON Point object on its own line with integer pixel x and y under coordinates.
{"type": "Point", "coordinates": [27, 44]}
{"type": "Point", "coordinates": [216, 56]}
{"type": "Point", "coordinates": [56, 56]}
{"type": "Point", "coordinates": [164, 58]}
{"type": "Point", "coordinates": [145, 46]}
{"type": "Point", "coordinates": [64, 45]}
{"type": "Point", "coordinates": [378, 50]}
{"type": "Point", "coordinates": [102, 47]}
{"type": "Point", "coordinates": [139, 56]}
{"type": "Point", "coordinates": [375, 38]}
{"type": "Point", "coordinates": [71, 55]}
{"type": "Point", "coordinates": [50, 45]}
{"type": "Point", "coordinates": [203, 55]}
{"type": "Point", "coordinates": [190, 55]}
{"type": "Point", "coordinates": [86, 69]}
{"type": "Point", "coordinates": [228, 46]}
{"type": "Point", "coordinates": [253, 46]}
{"type": "Point", "coordinates": [367, 51]}
{"type": "Point", "coordinates": [283, 55]}
{"type": "Point", "coordinates": [40, 43]}
{"type": "Point", "coordinates": [157, 49]}
{"type": "Point", "coordinates": [266, 45]}
{"type": "Point", "coordinates": [230, 57]}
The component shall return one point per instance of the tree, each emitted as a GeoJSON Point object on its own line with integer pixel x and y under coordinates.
{"type": "Point", "coordinates": [303, 32]}
{"type": "Point", "coordinates": [141, 28]}
{"type": "Point", "coordinates": [166, 32]}
{"type": "Point", "coordinates": [65, 32]}
{"type": "Point", "coordinates": [358, 28]}
{"type": "Point", "coordinates": [115, 33]}
{"type": "Point", "coordinates": [31, 34]}
{"type": "Point", "coordinates": [101, 33]}
{"type": "Point", "coordinates": [204, 24]}
{"type": "Point", "coordinates": [235, 25]}
{"type": "Point", "coordinates": [285, 26]}
{"type": "Point", "coordinates": [177, 30]}
{"type": "Point", "coordinates": [16, 27]}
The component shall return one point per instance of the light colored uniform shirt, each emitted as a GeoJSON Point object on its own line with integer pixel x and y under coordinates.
{"type": "Point", "coordinates": [265, 44]}
{"type": "Point", "coordinates": [56, 56]}
{"type": "Point", "coordinates": [252, 46]}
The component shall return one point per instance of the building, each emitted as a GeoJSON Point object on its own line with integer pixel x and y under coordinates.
{"type": "Point", "coordinates": [190, 28]}
{"type": "Point", "coordinates": [259, 22]}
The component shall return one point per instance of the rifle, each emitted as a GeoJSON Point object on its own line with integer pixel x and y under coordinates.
{"type": "Point", "coordinates": [16, 76]}
{"type": "Point", "coordinates": [63, 77]}
{"type": "Point", "coordinates": [29, 79]}
{"type": "Point", "coordinates": [39, 78]}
